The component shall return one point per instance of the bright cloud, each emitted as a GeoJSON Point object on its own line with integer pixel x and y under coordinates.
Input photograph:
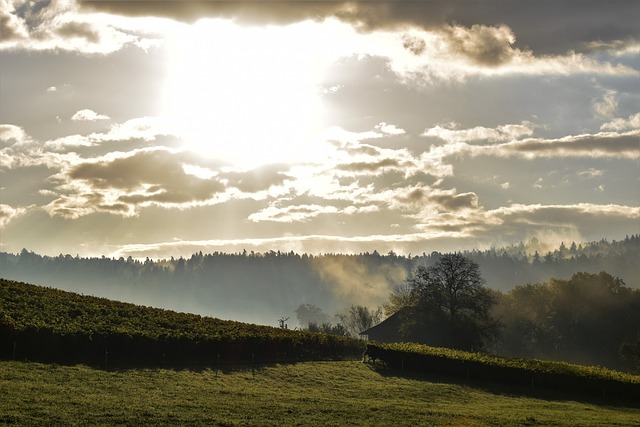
{"type": "Point", "coordinates": [88, 115]}
{"type": "Point", "coordinates": [8, 213]}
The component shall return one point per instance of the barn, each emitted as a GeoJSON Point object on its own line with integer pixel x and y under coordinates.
{"type": "Point", "coordinates": [388, 331]}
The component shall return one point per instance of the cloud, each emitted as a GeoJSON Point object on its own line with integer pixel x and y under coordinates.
{"type": "Point", "coordinates": [414, 44]}
{"type": "Point", "coordinates": [446, 232]}
{"type": "Point", "coordinates": [620, 125]}
{"type": "Point", "coordinates": [542, 25]}
{"type": "Point", "coordinates": [606, 107]}
{"type": "Point", "coordinates": [11, 134]}
{"type": "Point", "coordinates": [61, 25]}
{"type": "Point", "coordinates": [480, 133]}
{"type": "Point", "coordinates": [353, 157]}
{"type": "Point", "coordinates": [12, 27]}
{"type": "Point", "coordinates": [338, 134]}
{"type": "Point", "coordinates": [455, 202]}
{"type": "Point", "coordinates": [299, 213]}
{"type": "Point", "coordinates": [603, 144]}
{"type": "Point", "coordinates": [389, 129]}
{"type": "Point", "coordinates": [581, 216]}
{"type": "Point", "coordinates": [422, 202]}
{"type": "Point", "coordinates": [591, 173]}
{"type": "Point", "coordinates": [122, 183]}
{"type": "Point", "coordinates": [375, 167]}
{"type": "Point", "coordinates": [8, 213]}
{"type": "Point", "coordinates": [483, 45]}
{"type": "Point", "coordinates": [78, 30]}
{"type": "Point", "coordinates": [141, 129]}
{"type": "Point", "coordinates": [17, 148]}
{"type": "Point", "coordinates": [88, 115]}
{"type": "Point", "coordinates": [256, 180]}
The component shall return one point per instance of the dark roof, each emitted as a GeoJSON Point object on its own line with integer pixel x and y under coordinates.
{"type": "Point", "coordinates": [387, 330]}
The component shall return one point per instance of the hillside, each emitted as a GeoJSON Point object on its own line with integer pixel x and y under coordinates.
{"type": "Point", "coordinates": [303, 394]}
{"type": "Point", "coordinates": [50, 325]}
{"type": "Point", "coordinates": [221, 373]}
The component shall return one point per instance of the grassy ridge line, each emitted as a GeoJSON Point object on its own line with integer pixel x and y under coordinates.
{"type": "Point", "coordinates": [46, 324]}
{"type": "Point", "coordinates": [527, 372]}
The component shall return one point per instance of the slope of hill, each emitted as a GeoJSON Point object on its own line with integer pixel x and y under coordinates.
{"type": "Point", "coordinates": [304, 394]}
{"type": "Point", "coordinates": [46, 324]}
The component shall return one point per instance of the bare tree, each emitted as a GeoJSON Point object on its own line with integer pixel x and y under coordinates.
{"type": "Point", "coordinates": [360, 318]}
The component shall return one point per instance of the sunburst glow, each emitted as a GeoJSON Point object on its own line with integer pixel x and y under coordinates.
{"type": "Point", "coordinates": [246, 95]}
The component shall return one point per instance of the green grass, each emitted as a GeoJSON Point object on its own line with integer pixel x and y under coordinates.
{"type": "Point", "coordinates": [304, 394]}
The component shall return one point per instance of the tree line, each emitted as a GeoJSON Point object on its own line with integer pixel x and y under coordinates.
{"type": "Point", "coordinates": [587, 319]}
{"type": "Point", "coordinates": [260, 287]}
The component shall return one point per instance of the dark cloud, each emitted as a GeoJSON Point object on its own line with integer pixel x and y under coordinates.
{"type": "Point", "coordinates": [483, 45]}
{"type": "Point", "coordinates": [456, 202]}
{"type": "Point", "coordinates": [12, 28]}
{"type": "Point", "coordinates": [367, 150]}
{"type": "Point", "coordinates": [128, 173]}
{"type": "Point", "coordinates": [545, 26]}
{"type": "Point", "coordinates": [414, 44]}
{"type": "Point", "coordinates": [591, 144]}
{"type": "Point", "coordinates": [371, 166]}
{"type": "Point", "coordinates": [154, 176]}
{"type": "Point", "coordinates": [81, 30]}
{"type": "Point", "coordinates": [414, 197]}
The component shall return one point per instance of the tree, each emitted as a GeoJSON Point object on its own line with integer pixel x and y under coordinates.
{"type": "Point", "coordinates": [591, 319]}
{"type": "Point", "coordinates": [282, 322]}
{"type": "Point", "coordinates": [400, 297]}
{"type": "Point", "coordinates": [451, 306]}
{"type": "Point", "coordinates": [309, 313]}
{"type": "Point", "coordinates": [360, 318]}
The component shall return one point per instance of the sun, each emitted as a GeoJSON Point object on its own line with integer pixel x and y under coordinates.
{"type": "Point", "coordinates": [246, 95]}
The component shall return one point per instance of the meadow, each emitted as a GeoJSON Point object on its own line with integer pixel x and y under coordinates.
{"type": "Point", "coordinates": [69, 359]}
{"type": "Point", "coordinates": [301, 394]}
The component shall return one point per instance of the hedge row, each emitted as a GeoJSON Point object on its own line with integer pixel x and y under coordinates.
{"type": "Point", "coordinates": [593, 381]}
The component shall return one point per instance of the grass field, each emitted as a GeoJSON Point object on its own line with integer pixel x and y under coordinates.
{"type": "Point", "coordinates": [304, 394]}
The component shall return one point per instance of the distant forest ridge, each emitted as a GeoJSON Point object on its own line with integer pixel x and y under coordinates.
{"type": "Point", "coordinates": [262, 287]}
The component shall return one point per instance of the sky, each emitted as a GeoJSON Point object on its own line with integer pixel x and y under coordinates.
{"type": "Point", "coordinates": [163, 128]}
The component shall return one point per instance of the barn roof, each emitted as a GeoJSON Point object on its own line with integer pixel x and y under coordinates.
{"type": "Point", "coordinates": [387, 330]}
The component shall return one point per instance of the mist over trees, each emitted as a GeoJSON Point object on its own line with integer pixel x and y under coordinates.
{"type": "Point", "coordinates": [588, 319]}
{"type": "Point", "coordinates": [350, 322]}
{"type": "Point", "coordinates": [263, 287]}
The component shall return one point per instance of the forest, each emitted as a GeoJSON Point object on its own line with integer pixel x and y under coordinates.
{"type": "Point", "coordinates": [264, 287]}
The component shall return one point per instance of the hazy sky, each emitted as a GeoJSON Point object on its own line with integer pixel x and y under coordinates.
{"type": "Point", "coordinates": [160, 128]}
